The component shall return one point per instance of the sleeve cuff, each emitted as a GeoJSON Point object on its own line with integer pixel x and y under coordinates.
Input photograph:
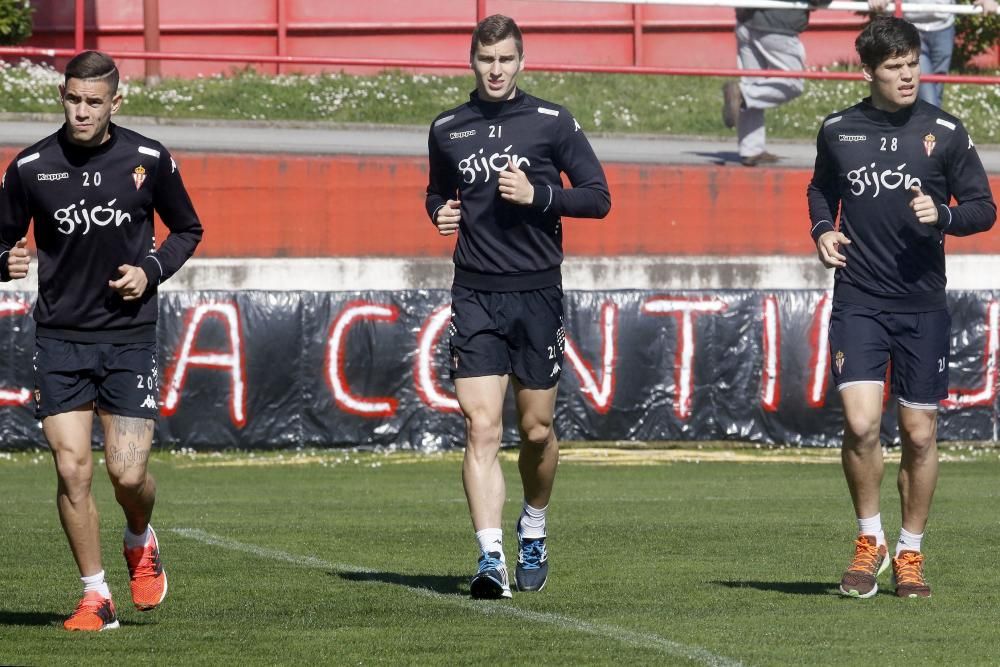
{"type": "Point", "coordinates": [4, 271]}
{"type": "Point", "coordinates": [543, 198]}
{"type": "Point", "coordinates": [820, 228]}
{"type": "Point", "coordinates": [153, 269]}
{"type": "Point", "coordinates": [944, 220]}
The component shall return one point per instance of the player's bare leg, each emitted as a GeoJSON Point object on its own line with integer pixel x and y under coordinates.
{"type": "Point", "coordinates": [481, 400]}
{"type": "Point", "coordinates": [918, 474]}
{"type": "Point", "coordinates": [861, 457]}
{"type": "Point", "coordinates": [861, 454]}
{"type": "Point", "coordinates": [127, 443]}
{"type": "Point", "coordinates": [537, 463]}
{"type": "Point", "coordinates": [69, 438]}
{"type": "Point", "coordinates": [539, 454]}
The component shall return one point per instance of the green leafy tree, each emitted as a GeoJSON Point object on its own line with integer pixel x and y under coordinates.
{"type": "Point", "coordinates": [974, 34]}
{"type": "Point", "coordinates": [15, 21]}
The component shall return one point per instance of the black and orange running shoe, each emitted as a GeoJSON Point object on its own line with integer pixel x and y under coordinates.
{"type": "Point", "coordinates": [95, 613]}
{"type": "Point", "coordinates": [147, 579]}
{"type": "Point", "coordinates": [908, 575]}
{"type": "Point", "coordinates": [869, 561]}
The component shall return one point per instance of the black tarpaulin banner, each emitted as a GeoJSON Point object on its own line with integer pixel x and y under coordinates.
{"type": "Point", "coordinates": [259, 369]}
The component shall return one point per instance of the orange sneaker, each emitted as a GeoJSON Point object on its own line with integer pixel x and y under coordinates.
{"type": "Point", "coordinates": [95, 613]}
{"type": "Point", "coordinates": [869, 562]}
{"type": "Point", "coordinates": [908, 575]}
{"type": "Point", "coordinates": [147, 579]}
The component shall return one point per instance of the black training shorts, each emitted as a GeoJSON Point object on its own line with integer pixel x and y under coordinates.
{"type": "Point", "coordinates": [864, 340]}
{"type": "Point", "coordinates": [502, 333]}
{"type": "Point", "coordinates": [121, 378]}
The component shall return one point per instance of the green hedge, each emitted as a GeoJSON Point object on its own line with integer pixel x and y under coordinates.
{"type": "Point", "coordinates": [15, 21]}
{"type": "Point", "coordinates": [974, 34]}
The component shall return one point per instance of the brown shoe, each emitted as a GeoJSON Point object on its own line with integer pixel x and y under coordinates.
{"type": "Point", "coordinates": [908, 575]}
{"type": "Point", "coordinates": [761, 158]}
{"type": "Point", "coordinates": [732, 102]}
{"type": "Point", "coordinates": [869, 562]}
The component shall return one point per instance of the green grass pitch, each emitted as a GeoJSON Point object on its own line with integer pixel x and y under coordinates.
{"type": "Point", "coordinates": [347, 558]}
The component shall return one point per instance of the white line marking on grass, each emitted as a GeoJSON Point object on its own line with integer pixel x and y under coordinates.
{"type": "Point", "coordinates": [642, 640]}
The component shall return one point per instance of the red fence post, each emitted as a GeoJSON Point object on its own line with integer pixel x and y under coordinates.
{"type": "Point", "coordinates": [637, 35]}
{"type": "Point", "coordinates": [282, 30]}
{"type": "Point", "coordinates": [151, 38]}
{"type": "Point", "coordinates": [480, 10]}
{"type": "Point", "coordinates": [78, 26]}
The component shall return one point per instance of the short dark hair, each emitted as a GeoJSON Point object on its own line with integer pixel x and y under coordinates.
{"type": "Point", "coordinates": [493, 29]}
{"type": "Point", "coordinates": [886, 37]}
{"type": "Point", "coordinates": [88, 65]}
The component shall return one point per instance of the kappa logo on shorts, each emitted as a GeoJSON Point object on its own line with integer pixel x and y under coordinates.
{"type": "Point", "coordinates": [150, 402]}
{"type": "Point", "coordinates": [555, 369]}
{"type": "Point", "coordinates": [454, 361]}
{"type": "Point", "coordinates": [38, 395]}
{"type": "Point", "coordinates": [838, 361]}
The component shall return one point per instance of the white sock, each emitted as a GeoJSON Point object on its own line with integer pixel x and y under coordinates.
{"type": "Point", "coordinates": [532, 521]}
{"type": "Point", "coordinates": [132, 541]}
{"type": "Point", "coordinates": [908, 541]}
{"type": "Point", "coordinates": [873, 526]}
{"type": "Point", "coordinates": [95, 582]}
{"type": "Point", "coordinates": [491, 540]}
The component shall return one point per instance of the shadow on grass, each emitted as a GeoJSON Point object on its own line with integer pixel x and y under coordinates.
{"type": "Point", "coordinates": [433, 582]}
{"type": "Point", "coordinates": [788, 587]}
{"type": "Point", "coordinates": [28, 618]}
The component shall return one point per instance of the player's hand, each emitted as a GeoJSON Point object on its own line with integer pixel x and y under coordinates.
{"type": "Point", "coordinates": [514, 185]}
{"type": "Point", "coordinates": [989, 6]}
{"type": "Point", "coordinates": [132, 284]}
{"type": "Point", "coordinates": [923, 206]}
{"type": "Point", "coordinates": [448, 217]}
{"type": "Point", "coordinates": [18, 259]}
{"type": "Point", "coordinates": [828, 246]}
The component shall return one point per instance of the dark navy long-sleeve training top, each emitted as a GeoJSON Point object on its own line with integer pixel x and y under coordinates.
{"type": "Point", "coordinates": [503, 246]}
{"type": "Point", "coordinates": [867, 161]}
{"type": "Point", "coordinates": [93, 211]}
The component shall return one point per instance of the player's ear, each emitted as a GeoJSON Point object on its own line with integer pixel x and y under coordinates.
{"type": "Point", "coordinates": [62, 91]}
{"type": "Point", "coordinates": [867, 73]}
{"type": "Point", "coordinates": [520, 67]}
{"type": "Point", "coordinates": [116, 103]}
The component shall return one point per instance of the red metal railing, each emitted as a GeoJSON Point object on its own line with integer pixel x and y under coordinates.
{"type": "Point", "coordinates": [637, 25]}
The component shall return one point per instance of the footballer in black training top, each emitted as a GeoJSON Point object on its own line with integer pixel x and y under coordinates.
{"type": "Point", "coordinates": [495, 180]}
{"type": "Point", "coordinates": [902, 174]}
{"type": "Point", "coordinates": [91, 189]}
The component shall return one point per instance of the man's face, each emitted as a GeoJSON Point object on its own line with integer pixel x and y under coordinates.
{"type": "Point", "coordinates": [894, 82]}
{"type": "Point", "coordinates": [496, 67]}
{"type": "Point", "coordinates": [88, 105]}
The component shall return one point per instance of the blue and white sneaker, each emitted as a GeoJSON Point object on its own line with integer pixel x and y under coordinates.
{"type": "Point", "coordinates": [491, 581]}
{"type": "Point", "coordinates": [532, 569]}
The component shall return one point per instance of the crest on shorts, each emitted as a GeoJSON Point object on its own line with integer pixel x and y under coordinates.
{"type": "Point", "coordinates": [930, 141]}
{"type": "Point", "coordinates": [139, 175]}
{"type": "Point", "coordinates": [838, 361]}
